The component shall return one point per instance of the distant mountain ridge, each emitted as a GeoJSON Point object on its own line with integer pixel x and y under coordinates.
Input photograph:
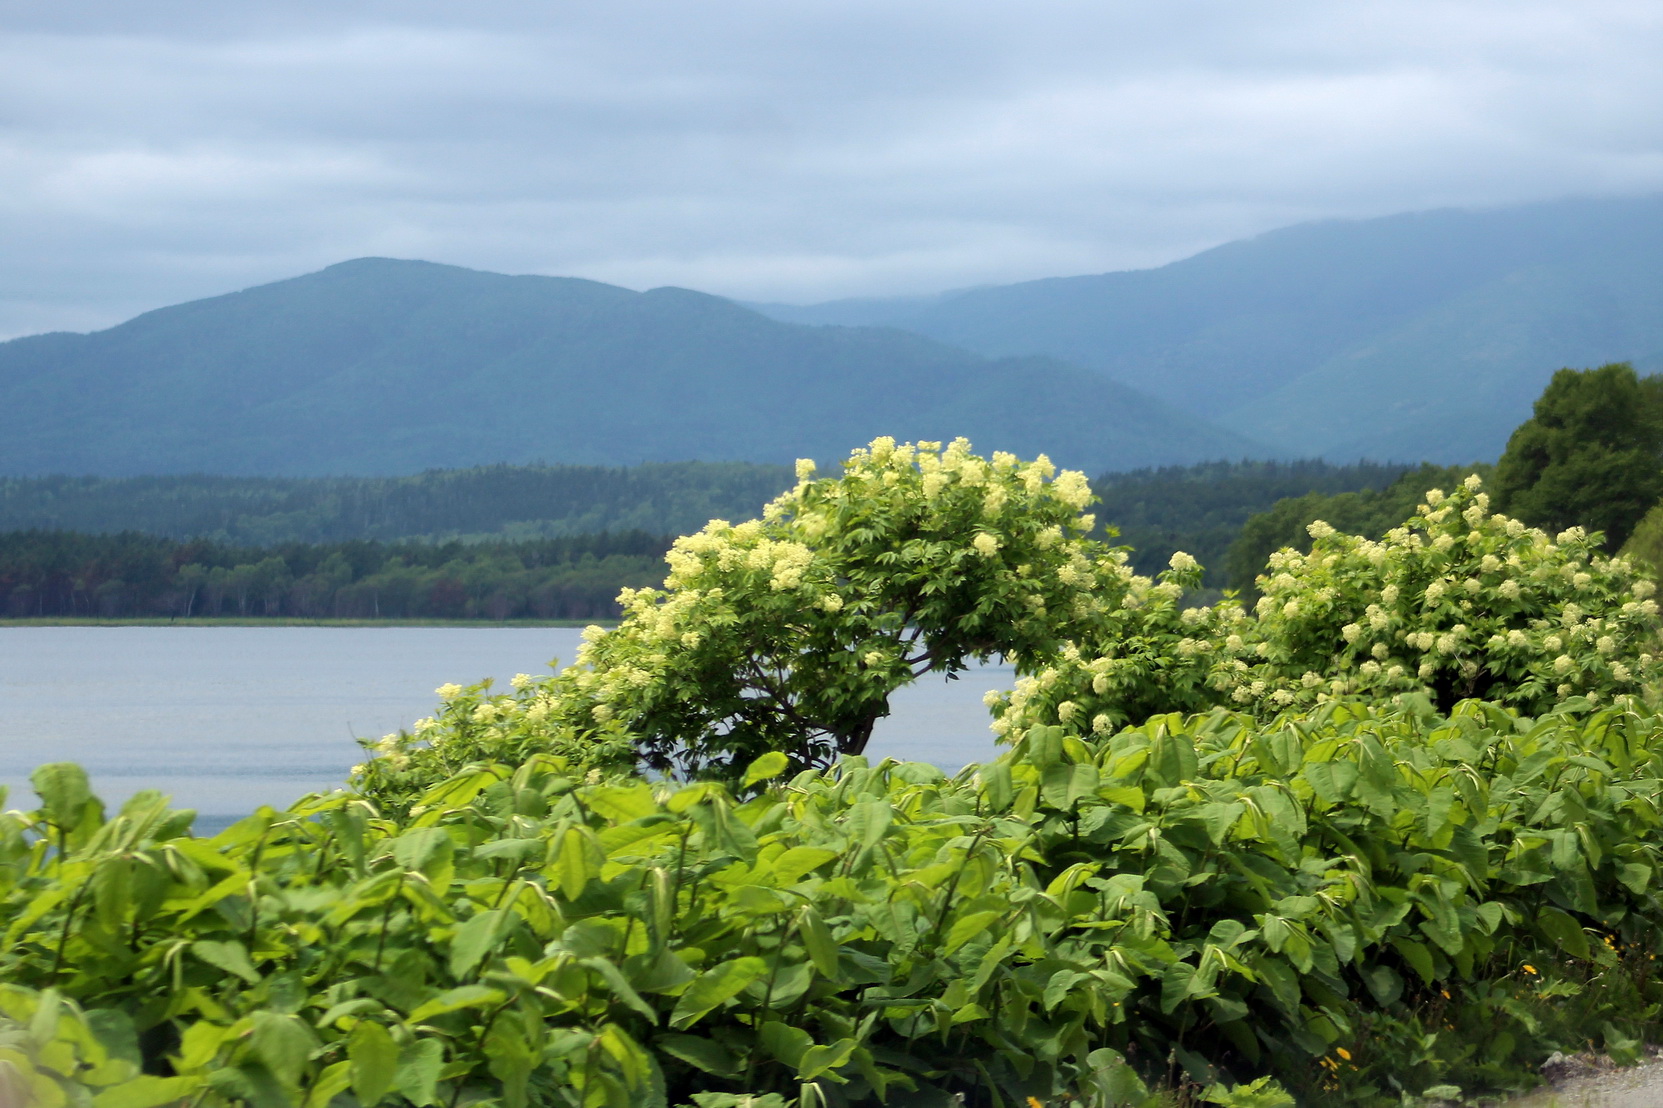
{"type": "Point", "coordinates": [377, 366]}
{"type": "Point", "coordinates": [1417, 336]}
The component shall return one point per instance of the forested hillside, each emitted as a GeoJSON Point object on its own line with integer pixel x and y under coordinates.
{"type": "Point", "coordinates": [383, 367]}
{"type": "Point", "coordinates": [1416, 336]}
{"type": "Point", "coordinates": [50, 574]}
{"type": "Point", "coordinates": [513, 502]}
{"type": "Point", "coordinates": [400, 547]}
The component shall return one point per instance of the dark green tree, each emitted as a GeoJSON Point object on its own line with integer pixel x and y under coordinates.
{"type": "Point", "coordinates": [1591, 455]}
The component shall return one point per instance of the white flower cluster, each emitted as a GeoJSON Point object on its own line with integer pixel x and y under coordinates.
{"type": "Point", "coordinates": [1458, 602]}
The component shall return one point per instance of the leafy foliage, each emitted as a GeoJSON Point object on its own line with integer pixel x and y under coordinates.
{"type": "Point", "coordinates": [1232, 851]}
{"type": "Point", "coordinates": [1416, 900]}
{"type": "Point", "coordinates": [1457, 603]}
{"type": "Point", "coordinates": [1366, 512]}
{"type": "Point", "coordinates": [1590, 455]}
{"type": "Point", "coordinates": [790, 632]}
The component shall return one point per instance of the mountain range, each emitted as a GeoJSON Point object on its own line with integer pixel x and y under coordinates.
{"type": "Point", "coordinates": [378, 366]}
{"type": "Point", "coordinates": [1409, 337]}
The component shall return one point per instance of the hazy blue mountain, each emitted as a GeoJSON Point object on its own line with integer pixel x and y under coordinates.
{"type": "Point", "coordinates": [1413, 336]}
{"type": "Point", "coordinates": [382, 367]}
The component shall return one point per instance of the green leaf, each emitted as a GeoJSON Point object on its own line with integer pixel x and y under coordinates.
{"type": "Point", "coordinates": [374, 1058]}
{"type": "Point", "coordinates": [817, 939]}
{"type": "Point", "coordinates": [511, 1061]}
{"type": "Point", "coordinates": [791, 865]}
{"type": "Point", "coordinates": [284, 1044]}
{"type": "Point", "coordinates": [1117, 1081]}
{"type": "Point", "coordinates": [1331, 781]}
{"type": "Point", "coordinates": [767, 767]}
{"type": "Point", "coordinates": [622, 803]}
{"type": "Point", "coordinates": [573, 868]}
{"type": "Point", "coordinates": [230, 956]}
{"type": "Point", "coordinates": [715, 986]}
{"type": "Point", "coordinates": [786, 1043]}
{"type": "Point", "coordinates": [620, 987]}
{"type": "Point", "coordinates": [817, 1060]}
{"type": "Point", "coordinates": [996, 785]}
{"type": "Point", "coordinates": [1172, 757]}
{"type": "Point", "coordinates": [417, 849]}
{"type": "Point", "coordinates": [64, 793]}
{"type": "Point", "coordinates": [454, 1000]}
{"type": "Point", "coordinates": [1384, 985]}
{"type": "Point", "coordinates": [1418, 957]}
{"type": "Point", "coordinates": [869, 821]}
{"type": "Point", "coordinates": [1563, 929]}
{"type": "Point", "coordinates": [702, 1053]}
{"type": "Point", "coordinates": [968, 927]}
{"type": "Point", "coordinates": [473, 941]}
{"type": "Point", "coordinates": [147, 1092]}
{"type": "Point", "coordinates": [419, 1063]}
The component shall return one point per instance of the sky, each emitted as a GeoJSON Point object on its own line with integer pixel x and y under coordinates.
{"type": "Point", "coordinates": [773, 149]}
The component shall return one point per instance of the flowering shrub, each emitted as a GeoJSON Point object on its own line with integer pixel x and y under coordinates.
{"type": "Point", "coordinates": [790, 632]}
{"type": "Point", "coordinates": [477, 724]}
{"type": "Point", "coordinates": [1458, 603]}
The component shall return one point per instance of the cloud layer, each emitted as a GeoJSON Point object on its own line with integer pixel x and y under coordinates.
{"type": "Point", "coordinates": [773, 149]}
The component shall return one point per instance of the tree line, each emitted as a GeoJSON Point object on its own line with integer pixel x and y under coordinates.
{"type": "Point", "coordinates": [52, 574]}
{"type": "Point", "coordinates": [499, 501]}
{"type": "Point", "coordinates": [1590, 455]}
{"type": "Point", "coordinates": [1201, 509]}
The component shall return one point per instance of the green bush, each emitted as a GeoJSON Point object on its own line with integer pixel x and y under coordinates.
{"type": "Point", "coordinates": [790, 632]}
{"type": "Point", "coordinates": [1457, 603]}
{"type": "Point", "coordinates": [1417, 900]}
{"type": "Point", "coordinates": [1243, 854]}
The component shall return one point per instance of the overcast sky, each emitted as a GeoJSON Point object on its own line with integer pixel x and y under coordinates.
{"type": "Point", "coordinates": [773, 149]}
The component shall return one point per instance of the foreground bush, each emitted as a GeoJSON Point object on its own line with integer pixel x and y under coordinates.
{"type": "Point", "coordinates": [1357, 901]}
{"type": "Point", "coordinates": [1248, 853]}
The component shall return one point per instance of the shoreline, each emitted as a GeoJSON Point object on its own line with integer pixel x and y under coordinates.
{"type": "Point", "coordinates": [286, 621]}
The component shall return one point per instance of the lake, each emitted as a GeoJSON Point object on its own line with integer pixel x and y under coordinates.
{"type": "Point", "coordinates": [225, 719]}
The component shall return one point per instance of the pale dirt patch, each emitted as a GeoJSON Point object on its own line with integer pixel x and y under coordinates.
{"type": "Point", "coordinates": [1590, 1081]}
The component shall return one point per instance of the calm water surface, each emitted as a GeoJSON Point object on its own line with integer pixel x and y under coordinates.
{"type": "Point", "coordinates": [225, 719]}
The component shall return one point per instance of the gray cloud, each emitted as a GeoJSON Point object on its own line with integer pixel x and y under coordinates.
{"type": "Point", "coordinates": [786, 150]}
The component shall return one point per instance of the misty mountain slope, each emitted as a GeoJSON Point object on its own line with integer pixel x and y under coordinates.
{"type": "Point", "coordinates": [1296, 329]}
{"type": "Point", "coordinates": [1450, 385]}
{"type": "Point", "coordinates": [378, 366]}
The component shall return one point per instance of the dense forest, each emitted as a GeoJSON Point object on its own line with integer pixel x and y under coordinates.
{"type": "Point", "coordinates": [510, 502]}
{"type": "Point", "coordinates": [498, 542]}
{"type": "Point", "coordinates": [50, 574]}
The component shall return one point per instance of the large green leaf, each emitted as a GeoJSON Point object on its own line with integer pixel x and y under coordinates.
{"type": "Point", "coordinates": [714, 987]}
{"type": "Point", "coordinates": [374, 1058]}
